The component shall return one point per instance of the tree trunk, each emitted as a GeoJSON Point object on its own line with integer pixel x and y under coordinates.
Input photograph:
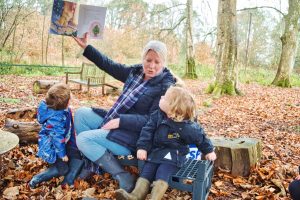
{"type": "Point", "coordinates": [226, 68]}
{"type": "Point", "coordinates": [62, 51]}
{"type": "Point", "coordinates": [289, 42]}
{"type": "Point", "coordinates": [13, 44]}
{"type": "Point", "coordinates": [43, 28]}
{"type": "Point", "coordinates": [190, 56]}
{"type": "Point", "coordinates": [237, 155]}
{"type": "Point", "coordinates": [42, 86]}
{"type": "Point", "coordinates": [47, 46]}
{"type": "Point", "coordinates": [27, 131]}
{"type": "Point", "coordinates": [248, 40]}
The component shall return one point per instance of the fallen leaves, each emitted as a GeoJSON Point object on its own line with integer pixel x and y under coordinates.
{"type": "Point", "coordinates": [267, 113]}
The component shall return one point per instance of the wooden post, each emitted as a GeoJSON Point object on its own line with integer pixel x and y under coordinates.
{"type": "Point", "coordinates": [237, 155]}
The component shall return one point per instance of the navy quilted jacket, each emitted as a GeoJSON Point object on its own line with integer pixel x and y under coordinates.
{"type": "Point", "coordinates": [167, 141]}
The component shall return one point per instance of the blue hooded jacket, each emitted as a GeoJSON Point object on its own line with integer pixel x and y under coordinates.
{"type": "Point", "coordinates": [57, 129]}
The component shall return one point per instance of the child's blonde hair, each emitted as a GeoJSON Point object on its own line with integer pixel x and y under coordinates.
{"type": "Point", "coordinates": [58, 96]}
{"type": "Point", "coordinates": [182, 104]}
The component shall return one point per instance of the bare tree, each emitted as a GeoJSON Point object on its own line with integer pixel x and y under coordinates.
{"type": "Point", "coordinates": [190, 71]}
{"type": "Point", "coordinates": [226, 68]}
{"type": "Point", "coordinates": [289, 41]}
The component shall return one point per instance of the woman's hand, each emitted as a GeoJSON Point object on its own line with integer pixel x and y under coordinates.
{"type": "Point", "coordinates": [141, 154]}
{"type": "Point", "coordinates": [211, 156]}
{"type": "Point", "coordinates": [112, 124]}
{"type": "Point", "coordinates": [297, 177]}
{"type": "Point", "coordinates": [82, 42]}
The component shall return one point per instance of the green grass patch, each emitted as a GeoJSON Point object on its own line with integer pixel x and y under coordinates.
{"type": "Point", "coordinates": [32, 70]}
{"type": "Point", "coordinates": [10, 100]}
{"type": "Point", "coordinates": [261, 75]}
{"type": "Point", "coordinates": [264, 76]}
{"type": "Point", "coordinates": [204, 72]}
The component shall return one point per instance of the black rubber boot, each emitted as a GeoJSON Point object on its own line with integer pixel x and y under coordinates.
{"type": "Point", "coordinates": [111, 165]}
{"type": "Point", "coordinates": [44, 176]}
{"type": "Point", "coordinates": [75, 166]}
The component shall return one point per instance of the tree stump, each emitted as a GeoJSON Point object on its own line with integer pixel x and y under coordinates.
{"type": "Point", "coordinates": [237, 155]}
{"type": "Point", "coordinates": [7, 142]}
{"type": "Point", "coordinates": [42, 86]}
{"type": "Point", "coordinates": [27, 131]}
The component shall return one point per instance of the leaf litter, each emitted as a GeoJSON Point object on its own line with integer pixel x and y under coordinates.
{"type": "Point", "coordinates": [268, 113]}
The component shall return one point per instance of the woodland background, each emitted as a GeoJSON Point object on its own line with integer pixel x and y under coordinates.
{"type": "Point", "coordinates": [262, 110]}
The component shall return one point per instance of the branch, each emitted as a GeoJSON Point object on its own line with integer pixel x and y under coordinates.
{"type": "Point", "coordinates": [209, 33]}
{"type": "Point", "coordinates": [176, 25]}
{"type": "Point", "coordinates": [160, 11]}
{"type": "Point", "coordinates": [254, 8]}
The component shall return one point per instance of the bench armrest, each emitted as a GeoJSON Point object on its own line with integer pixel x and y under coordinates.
{"type": "Point", "coordinates": [72, 72]}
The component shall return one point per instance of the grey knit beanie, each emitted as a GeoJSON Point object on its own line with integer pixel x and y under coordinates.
{"type": "Point", "coordinates": [159, 47]}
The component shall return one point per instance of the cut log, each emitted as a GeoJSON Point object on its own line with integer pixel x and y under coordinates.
{"type": "Point", "coordinates": [25, 113]}
{"type": "Point", "coordinates": [42, 86]}
{"type": "Point", "coordinates": [237, 155]}
{"type": "Point", "coordinates": [8, 141]}
{"type": "Point", "coordinates": [27, 131]}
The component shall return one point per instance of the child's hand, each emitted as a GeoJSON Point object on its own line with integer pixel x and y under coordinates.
{"type": "Point", "coordinates": [141, 154]}
{"type": "Point", "coordinates": [298, 177]}
{"type": "Point", "coordinates": [65, 158]}
{"type": "Point", "coordinates": [211, 156]}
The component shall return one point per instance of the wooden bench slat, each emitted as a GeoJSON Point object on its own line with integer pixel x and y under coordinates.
{"type": "Point", "coordinates": [89, 75]}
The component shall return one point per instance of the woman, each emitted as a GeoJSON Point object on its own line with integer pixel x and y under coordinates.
{"type": "Point", "coordinates": [102, 135]}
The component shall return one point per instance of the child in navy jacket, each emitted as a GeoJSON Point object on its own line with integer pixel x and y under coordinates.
{"type": "Point", "coordinates": [164, 141]}
{"type": "Point", "coordinates": [57, 137]}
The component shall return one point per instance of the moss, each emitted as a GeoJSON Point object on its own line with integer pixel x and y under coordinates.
{"type": "Point", "coordinates": [210, 88]}
{"type": "Point", "coordinates": [227, 88]}
{"type": "Point", "coordinates": [191, 69]}
{"type": "Point", "coordinates": [284, 82]}
{"type": "Point", "coordinates": [207, 103]}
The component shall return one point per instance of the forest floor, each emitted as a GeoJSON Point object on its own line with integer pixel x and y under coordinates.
{"type": "Point", "coordinates": [265, 112]}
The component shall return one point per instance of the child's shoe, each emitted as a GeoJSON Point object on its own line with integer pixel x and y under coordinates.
{"type": "Point", "coordinates": [43, 176]}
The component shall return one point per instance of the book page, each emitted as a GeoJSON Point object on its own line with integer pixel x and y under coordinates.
{"type": "Point", "coordinates": [64, 18]}
{"type": "Point", "coordinates": [91, 19]}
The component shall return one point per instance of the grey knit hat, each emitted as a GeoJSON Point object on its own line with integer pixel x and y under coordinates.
{"type": "Point", "coordinates": [159, 47]}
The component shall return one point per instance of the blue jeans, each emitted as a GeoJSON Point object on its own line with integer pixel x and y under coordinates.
{"type": "Point", "coordinates": [91, 140]}
{"type": "Point", "coordinates": [158, 171]}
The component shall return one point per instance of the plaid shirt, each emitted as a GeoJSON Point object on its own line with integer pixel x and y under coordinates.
{"type": "Point", "coordinates": [128, 98]}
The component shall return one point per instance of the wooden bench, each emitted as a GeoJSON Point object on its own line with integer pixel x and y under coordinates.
{"type": "Point", "coordinates": [194, 176]}
{"type": "Point", "coordinates": [89, 75]}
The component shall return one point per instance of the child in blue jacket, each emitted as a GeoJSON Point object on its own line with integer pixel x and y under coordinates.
{"type": "Point", "coordinates": [57, 145]}
{"type": "Point", "coordinates": [164, 141]}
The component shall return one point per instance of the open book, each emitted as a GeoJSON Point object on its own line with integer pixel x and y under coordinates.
{"type": "Point", "coordinates": [74, 19]}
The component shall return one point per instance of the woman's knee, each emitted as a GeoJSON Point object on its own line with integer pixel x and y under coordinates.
{"type": "Point", "coordinates": [82, 140]}
{"type": "Point", "coordinates": [82, 112]}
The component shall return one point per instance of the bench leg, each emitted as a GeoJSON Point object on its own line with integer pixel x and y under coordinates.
{"type": "Point", "coordinates": [103, 90]}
